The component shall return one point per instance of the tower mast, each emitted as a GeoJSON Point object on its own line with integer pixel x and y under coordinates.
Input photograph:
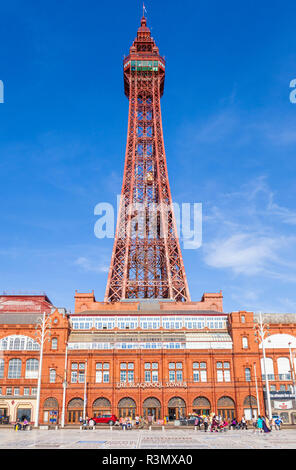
{"type": "Point", "coordinates": [146, 260]}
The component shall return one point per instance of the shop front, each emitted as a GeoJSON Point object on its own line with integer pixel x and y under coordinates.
{"type": "Point", "coordinates": [283, 404]}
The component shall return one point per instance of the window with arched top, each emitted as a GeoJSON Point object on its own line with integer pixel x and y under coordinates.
{"type": "Point", "coordinates": [1, 368]}
{"type": "Point", "coordinates": [18, 343]}
{"type": "Point", "coordinates": [32, 366]}
{"type": "Point", "coordinates": [52, 376]}
{"type": "Point", "coordinates": [269, 368]}
{"type": "Point", "coordinates": [14, 369]}
{"type": "Point", "coordinates": [248, 374]}
{"type": "Point", "coordinates": [245, 342]}
{"type": "Point", "coordinates": [284, 369]}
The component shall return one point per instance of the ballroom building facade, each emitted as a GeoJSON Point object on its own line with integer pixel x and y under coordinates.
{"type": "Point", "coordinates": [144, 357]}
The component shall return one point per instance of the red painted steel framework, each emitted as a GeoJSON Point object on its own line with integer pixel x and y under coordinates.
{"type": "Point", "coordinates": [146, 260]}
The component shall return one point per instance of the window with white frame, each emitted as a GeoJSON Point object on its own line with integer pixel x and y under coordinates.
{"type": "Point", "coordinates": [199, 372]}
{"type": "Point", "coordinates": [102, 372]}
{"type": "Point", "coordinates": [245, 342]}
{"type": "Point", "coordinates": [54, 343]}
{"type": "Point", "coordinates": [26, 391]}
{"type": "Point", "coordinates": [248, 374]}
{"type": "Point", "coordinates": [14, 369]}
{"type": "Point", "coordinates": [1, 368]}
{"type": "Point", "coordinates": [151, 372]}
{"type": "Point", "coordinates": [18, 343]}
{"type": "Point", "coordinates": [16, 391]}
{"type": "Point", "coordinates": [175, 371]}
{"type": "Point", "coordinates": [52, 376]}
{"type": "Point", "coordinates": [32, 367]}
{"type": "Point", "coordinates": [223, 371]}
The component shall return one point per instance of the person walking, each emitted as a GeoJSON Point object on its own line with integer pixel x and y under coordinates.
{"type": "Point", "coordinates": [254, 423]}
{"type": "Point", "coordinates": [266, 425]}
{"type": "Point", "coordinates": [278, 423]}
{"type": "Point", "coordinates": [244, 423]}
{"type": "Point", "coordinates": [260, 424]}
{"type": "Point", "coordinates": [206, 423]}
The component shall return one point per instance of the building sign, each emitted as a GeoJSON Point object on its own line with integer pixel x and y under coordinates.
{"type": "Point", "coordinates": [281, 395]}
{"type": "Point", "coordinates": [151, 385]}
{"type": "Point", "coordinates": [283, 405]}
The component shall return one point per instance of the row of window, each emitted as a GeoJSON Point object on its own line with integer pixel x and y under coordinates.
{"type": "Point", "coordinates": [16, 391]}
{"type": "Point", "coordinates": [15, 368]}
{"type": "Point", "coordinates": [150, 323]}
{"type": "Point", "coordinates": [150, 372]}
{"type": "Point", "coordinates": [23, 343]}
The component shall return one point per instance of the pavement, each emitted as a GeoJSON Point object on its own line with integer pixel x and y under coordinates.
{"type": "Point", "coordinates": [145, 439]}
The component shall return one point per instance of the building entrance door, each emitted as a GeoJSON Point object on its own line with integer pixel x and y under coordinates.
{"type": "Point", "coordinates": [152, 407]}
{"type": "Point", "coordinates": [172, 414]}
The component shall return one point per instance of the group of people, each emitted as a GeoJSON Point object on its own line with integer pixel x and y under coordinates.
{"type": "Point", "coordinates": [263, 424]}
{"type": "Point", "coordinates": [216, 423]}
{"type": "Point", "coordinates": [21, 425]}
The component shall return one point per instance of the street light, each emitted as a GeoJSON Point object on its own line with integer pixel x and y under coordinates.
{"type": "Point", "coordinates": [64, 388]}
{"type": "Point", "coordinates": [42, 334]}
{"type": "Point", "coordinates": [261, 333]}
{"type": "Point", "coordinates": [292, 369]}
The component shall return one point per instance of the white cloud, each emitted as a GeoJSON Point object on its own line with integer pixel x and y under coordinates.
{"type": "Point", "coordinates": [243, 253]}
{"type": "Point", "coordinates": [89, 265]}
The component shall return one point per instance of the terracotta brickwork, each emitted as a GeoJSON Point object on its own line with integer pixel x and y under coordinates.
{"type": "Point", "coordinates": [175, 398]}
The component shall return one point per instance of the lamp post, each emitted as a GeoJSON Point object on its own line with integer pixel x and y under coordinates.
{"type": "Point", "coordinates": [257, 395]}
{"type": "Point", "coordinates": [64, 388]}
{"type": "Point", "coordinates": [292, 369]}
{"type": "Point", "coordinates": [261, 333]}
{"type": "Point", "coordinates": [85, 398]}
{"type": "Point", "coordinates": [42, 327]}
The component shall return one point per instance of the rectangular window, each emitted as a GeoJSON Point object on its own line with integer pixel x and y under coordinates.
{"type": "Point", "coordinates": [196, 365]}
{"type": "Point", "coordinates": [130, 376]}
{"type": "Point", "coordinates": [227, 375]}
{"type": "Point", "coordinates": [195, 376]}
{"type": "Point", "coordinates": [8, 391]}
{"type": "Point", "coordinates": [179, 375]}
{"type": "Point", "coordinates": [147, 376]}
{"type": "Point", "coordinates": [106, 377]}
{"type": "Point", "coordinates": [16, 391]}
{"type": "Point", "coordinates": [154, 376]}
{"type": "Point", "coordinates": [34, 391]}
{"type": "Point", "coordinates": [81, 377]}
{"type": "Point", "coordinates": [203, 375]}
{"type": "Point", "coordinates": [99, 365]}
{"type": "Point", "coordinates": [122, 376]}
{"type": "Point", "coordinates": [73, 377]}
{"type": "Point", "coordinates": [172, 376]}
{"type": "Point", "coordinates": [99, 376]}
{"type": "Point", "coordinates": [26, 391]}
{"type": "Point", "coordinates": [219, 376]}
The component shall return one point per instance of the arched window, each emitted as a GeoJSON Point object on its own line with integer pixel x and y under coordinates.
{"type": "Point", "coordinates": [32, 366]}
{"type": "Point", "coordinates": [245, 342]}
{"type": "Point", "coordinates": [52, 376]}
{"type": "Point", "coordinates": [1, 368]}
{"type": "Point", "coordinates": [14, 369]}
{"type": "Point", "coordinates": [18, 343]}
{"type": "Point", "coordinates": [248, 374]}
{"type": "Point", "coordinates": [54, 343]}
{"type": "Point", "coordinates": [284, 371]}
{"type": "Point", "coordinates": [269, 368]}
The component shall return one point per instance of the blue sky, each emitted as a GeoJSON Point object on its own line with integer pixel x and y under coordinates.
{"type": "Point", "coordinates": [229, 130]}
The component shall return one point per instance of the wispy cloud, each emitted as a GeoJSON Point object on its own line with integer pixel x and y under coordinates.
{"type": "Point", "coordinates": [246, 234]}
{"type": "Point", "coordinates": [91, 266]}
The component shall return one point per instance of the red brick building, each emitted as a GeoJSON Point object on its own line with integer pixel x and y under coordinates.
{"type": "Point", "coordinates": [153, 357]}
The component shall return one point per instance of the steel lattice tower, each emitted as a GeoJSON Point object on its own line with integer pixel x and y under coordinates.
{"type": "Point", "coordinates": [145, 265]}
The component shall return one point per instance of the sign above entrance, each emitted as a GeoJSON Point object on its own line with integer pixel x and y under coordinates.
{"type": "Point", "coordinates": [151, 385]}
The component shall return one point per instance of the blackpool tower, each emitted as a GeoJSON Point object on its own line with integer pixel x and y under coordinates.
{"type": "Point", "coordinates": [146, 260]}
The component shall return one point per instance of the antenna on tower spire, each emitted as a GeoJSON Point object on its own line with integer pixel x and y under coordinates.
{"type": "Point", "coordinates": [144, 10]}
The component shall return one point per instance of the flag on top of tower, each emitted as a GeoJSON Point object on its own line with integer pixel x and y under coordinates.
{"type": "Point", "coordinates": [144, 9]}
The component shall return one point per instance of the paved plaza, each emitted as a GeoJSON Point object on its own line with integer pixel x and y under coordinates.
{"type": "Point", "coordinates": [145, 439]}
